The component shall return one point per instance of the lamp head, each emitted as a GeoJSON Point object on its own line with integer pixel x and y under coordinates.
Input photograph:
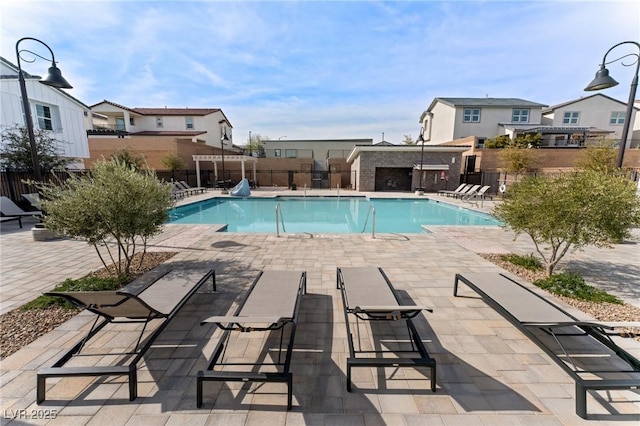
{"type": "Point", "coordinates": [420, 137]}
{"type": "Point", "coordinates": [224, 137]}
{"type": "Point", "coordinates": [602, 80]}
{"type": "Point", "coordinates": [54, 78]}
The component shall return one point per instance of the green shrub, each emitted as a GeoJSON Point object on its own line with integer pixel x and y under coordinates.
{"type": "Point", "coordinates": [529, 261]}
{"type": "Point", "coordinates": [572, 285]}
{"type": "Point", "coordinates": [88, 283]}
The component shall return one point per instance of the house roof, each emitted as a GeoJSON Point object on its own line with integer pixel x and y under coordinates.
{"type": "Point", "coordinates": [169, 111]}
{"type": "Point", "coordinates": [483, 103]}
{"type": "Point", "coordinates": [400, 148]}
{"type": "Point", "coordinates": [564, 104]}
{"type": "Point", "coordinates": [28, 76]}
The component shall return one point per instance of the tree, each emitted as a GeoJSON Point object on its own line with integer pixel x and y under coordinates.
{"type": "Point", "coordinates": [408, 140]}
{"type": "Point", "coordinates": [516, 160]}
{"type": "Point", "coordinates": [115, 207]}
{"type": "Point", "coordinates": [600, 156]}
{"type": "Point", "coordinates": [256, 144]}
{"type": "Point", "coordinates": [15, 150]}
{"type": "Point", "coordinates": [572, 210]}
{"type": "Point", "coordinates": [137, 161]}
{"type": "Point", "coordinates": [500, 141]}
{"type": "Point", "coordinates": [172, 162]}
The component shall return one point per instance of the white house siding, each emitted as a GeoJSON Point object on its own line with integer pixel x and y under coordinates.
{"type": "Point", "coordinates": [595, 111]}
{"type": "Point", "coordinates": [69, 120]}
{"type": "Point", "coordinates": [443, 122]}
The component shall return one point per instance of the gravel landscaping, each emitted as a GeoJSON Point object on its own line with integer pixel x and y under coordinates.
{"type": "Point", "coordinates": [18, 328]}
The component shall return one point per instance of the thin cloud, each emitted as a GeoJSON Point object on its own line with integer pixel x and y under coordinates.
{"type": "Point", "coordinates": [324, 69]}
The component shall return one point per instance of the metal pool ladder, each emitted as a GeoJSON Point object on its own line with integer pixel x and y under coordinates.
{"type": "Point", "coordinates": [373, 220]}
{"type": "Point", "coordinates": [279, 220]}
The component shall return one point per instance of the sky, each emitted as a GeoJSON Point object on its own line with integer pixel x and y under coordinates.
{"type": "Point", "coordinates": [326, 69]}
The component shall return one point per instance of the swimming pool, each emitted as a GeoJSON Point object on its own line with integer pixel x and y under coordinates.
{"type": "Point", "coordinates": [329, 215]}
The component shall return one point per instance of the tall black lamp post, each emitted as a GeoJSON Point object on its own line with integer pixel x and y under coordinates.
{"type": "Point", "coordinates": [603, 81]}
{"type": "Point", "coordinates": [222, 140]}
{"type": "Point", "coordinates": [54, 78]}
{"type": "Point", "coordinates": [420, 140]}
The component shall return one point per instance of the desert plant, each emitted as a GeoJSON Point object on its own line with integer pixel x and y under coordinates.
{"type": "Point", "coordinates": [599, 156]}
{"type": "Point", "coordinates": [114, 206]}
{"type": "Point", "coordinates": [126, 156]}
{"type": "Point", "coordinates": [571, 211]}
{"type": "Point", "coordinates": [172, 162]}
{"type": "Point", "coordinates": [529, 261]}
{"type": "Point", "coordinates": [572, 285]}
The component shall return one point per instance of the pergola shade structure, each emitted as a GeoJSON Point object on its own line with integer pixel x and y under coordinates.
{"type": "Point", "coordinates": [228, 158]}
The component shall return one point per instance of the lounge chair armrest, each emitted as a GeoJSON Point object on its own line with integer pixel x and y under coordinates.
{"type": "Point", "coordinates": [395, 313]}
{"type": "Point", "coordinates": [241, 323]}
{"type": "Point", "coordinates": [569, 324]}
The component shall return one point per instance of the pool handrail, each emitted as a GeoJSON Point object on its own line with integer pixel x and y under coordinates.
{"type": "Point", "coordinates": [373, 221]}
{"type": "Point", "coordinates": [279, 218]}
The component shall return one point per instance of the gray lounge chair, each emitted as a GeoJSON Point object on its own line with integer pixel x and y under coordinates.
{"type": "Point", "coordinates": [582, 348]}
{"type": "Point", "coordinates": [33, 199]}
{"type": "Point", "coordinates": [11, 209]}
{"type": "Point", "coordinates": [11, 218]}
{"type": "Point", "coordinates": [272, 303]}
{"type": "Point", "coordinates": [367, 294]}
{"type": "Point", "coordinates": [157, 295]}
{"type": "Point", "coordinates": [188, 187]}
{"type": "Point", "coordinates": [466, 191]}
{"type": "Point", "coordinates": [458, 189]}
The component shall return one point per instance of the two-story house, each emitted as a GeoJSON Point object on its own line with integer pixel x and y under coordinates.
{"type": "Point", "coordinates": [600, 111]}
{"type": "Point", "coordinates": [448, 119]}
{"type": "Point", "coordinates": [201, 125]}
{"type": "Point", "coordinates": [155, 133]}
{"type": "Point", "coordinates": [52, 109]}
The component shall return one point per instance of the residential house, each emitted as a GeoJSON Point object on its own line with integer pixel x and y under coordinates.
{"type": "Point", "coordinates": [156, 132]}
{"type": "Point", "coordinates": [594, 111]}
{"type": "Point", "coordinates": [52, 109]}
{"type": "Point", "coordinates": [200, 125]}
{"type": "Point", "coordinates": [448, 119]}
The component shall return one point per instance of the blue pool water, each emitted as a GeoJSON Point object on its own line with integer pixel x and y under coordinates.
{"type": "Point", "coordinates": [330, 215]}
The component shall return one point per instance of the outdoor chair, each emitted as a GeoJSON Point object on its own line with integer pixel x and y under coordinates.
{"type": "Point", "coordinates": [271, 304]}
{"type": "Point", "coordinates": [480, 194]}
{"type": "Point", "coordinates": [187, 187]}
{"type": "Point", "coordinates": [33, 199]}
{"type": "Point", "coordinates": [584, 349]}
{"type": "Point", "coordinates": [368, 295]}
{"type": "Point", "coordinates": [466, 191]}
{"type": "Point", "coordinates": [11, 218]}
{"type": "Point", "coordinates": [458, 189]}
{"type": "Point", "coordinates": [10, 209]}
{"type": "Point", "coordinates": [157, 295]}
{"type": "Point", "coordinates": [463, 190]}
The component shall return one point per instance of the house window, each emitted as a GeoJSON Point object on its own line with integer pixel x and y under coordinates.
{"type": "Point", "coordinates": [571, 117]}
{"type": "Point", "coordinates": [189, 123]}
{"type": "Point", "coordinates": [291, 153]}
{"type": "Point", "coordinates": [159, 122]}
{"type": "Point", "coordinates": [132, 121]}
{"type": "Point", "coordinates": [120, 123]}
{"type": "Point", "coordinates": [481, 142]}
{"type": "Point", "coordinates": [617, 118]}
{"type": "Point", "coordinates": [471, 115]}
{"type": "Point", "coordinates": [45, 117]}
{"type": "Point", "coordinates": [276, 153]}
{"type": "Point", "coordinates": [520, 115]}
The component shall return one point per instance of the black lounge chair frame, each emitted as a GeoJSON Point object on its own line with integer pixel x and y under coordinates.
{"type": "Point", "coordinates": [133, 292]}
{"type": "Point", "coordinates": [242, 322]}
{"type": "Point", "coordinates": [389, 312]}
{"type": "Point", "coordinates": [599, 332]}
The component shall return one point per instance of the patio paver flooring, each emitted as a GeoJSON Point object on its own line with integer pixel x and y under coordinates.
{"type": "Point", "coordinates": [488, 372]}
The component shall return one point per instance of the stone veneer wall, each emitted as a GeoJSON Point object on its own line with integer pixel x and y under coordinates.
{"type": "Point", "coordinates": [367, 162]}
